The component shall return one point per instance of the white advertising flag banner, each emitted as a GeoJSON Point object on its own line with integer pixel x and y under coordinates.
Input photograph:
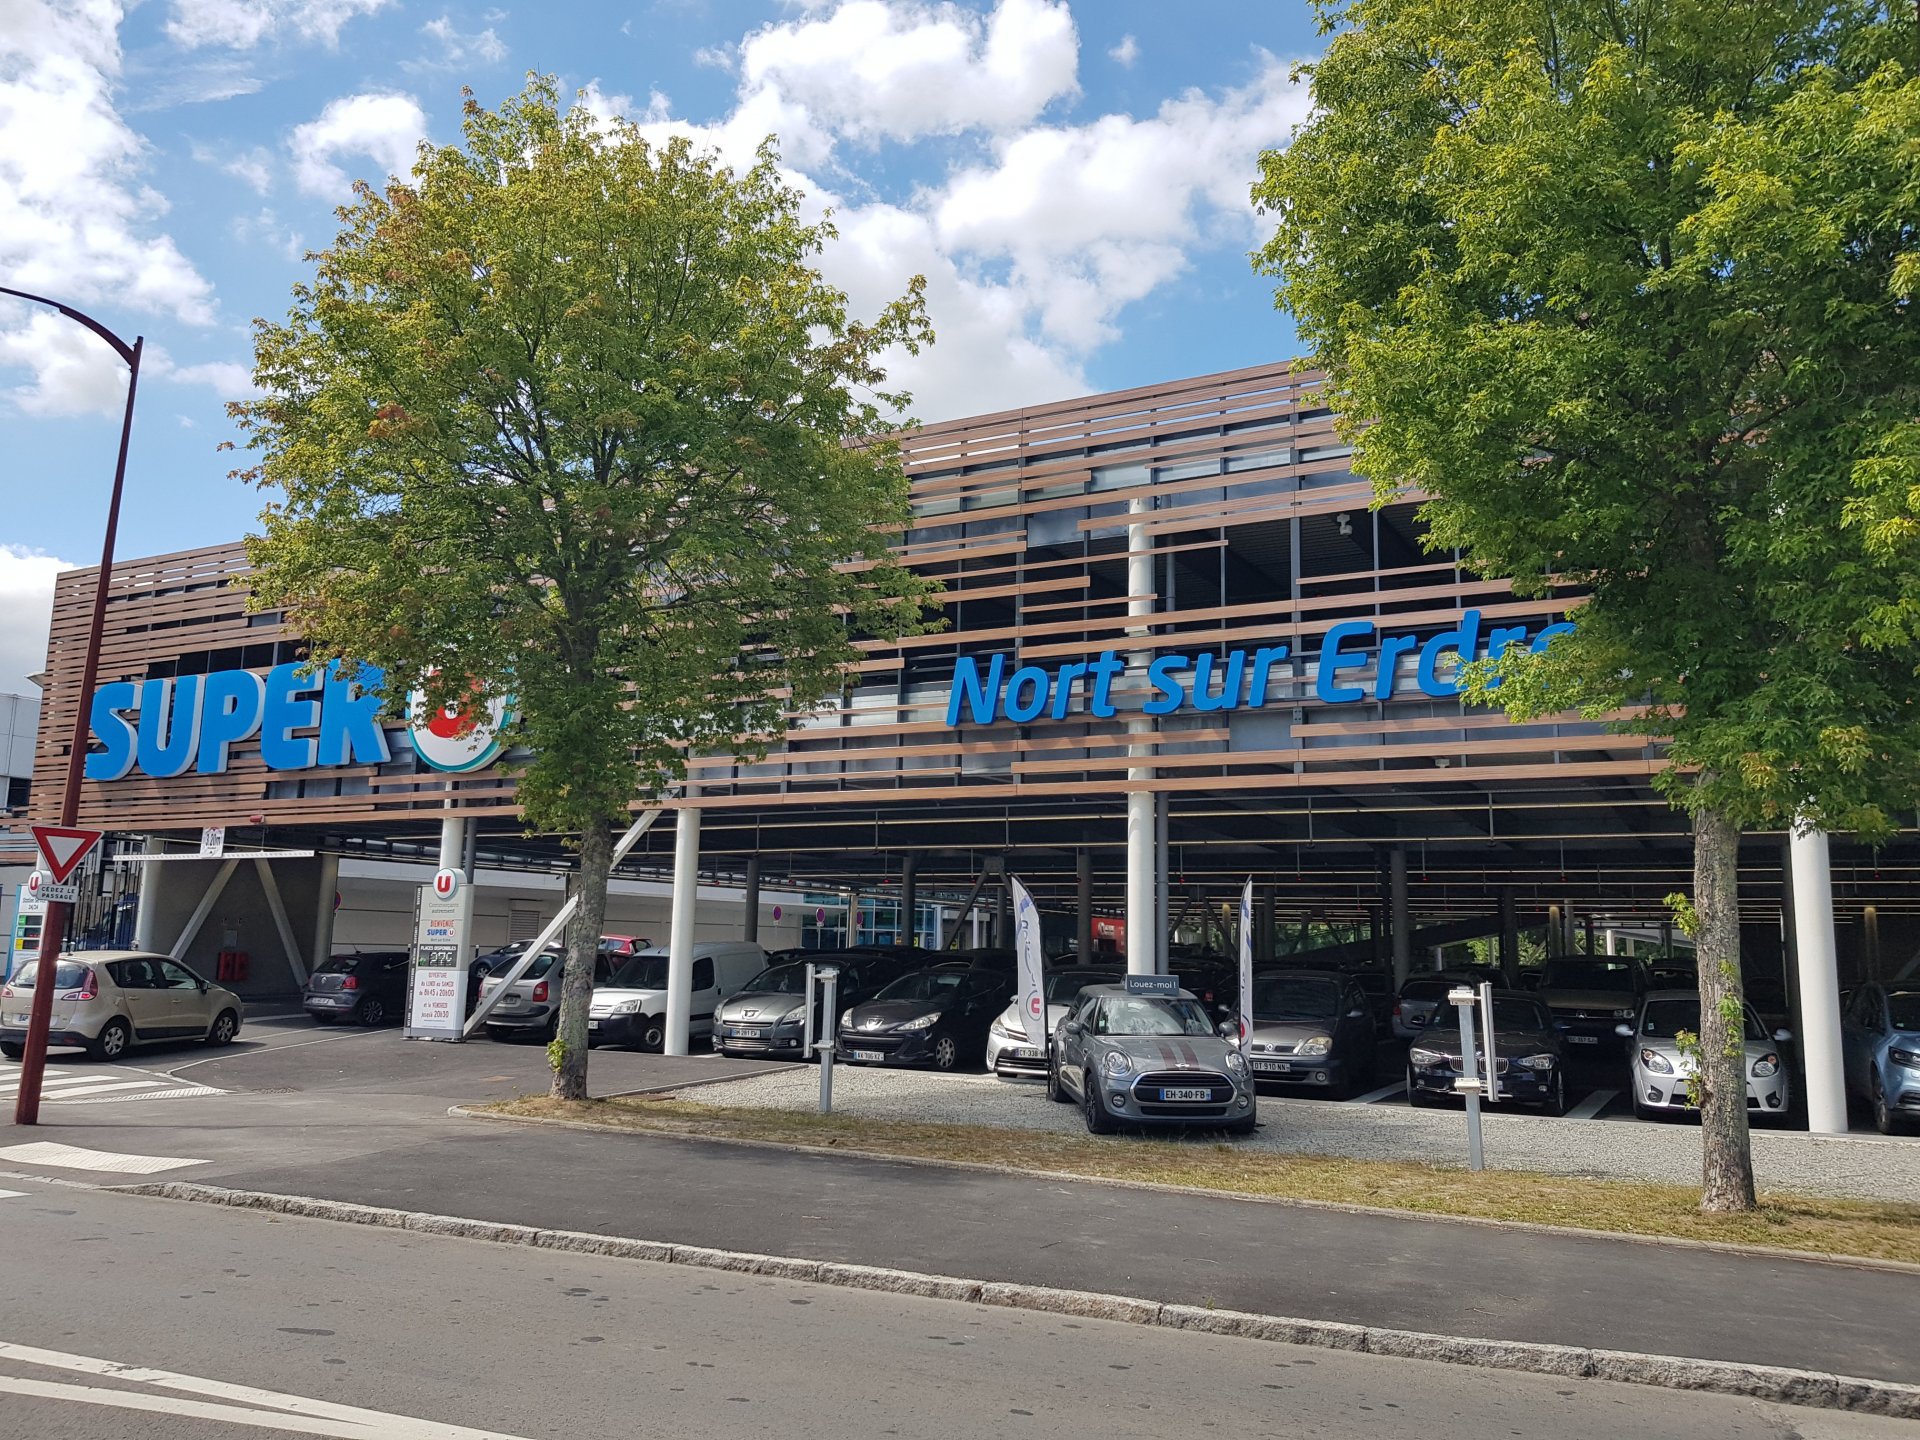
{"type": "Point", "coordinates": [1032, 966]}
{"type": "Point", "coordinates": [1246, 962]}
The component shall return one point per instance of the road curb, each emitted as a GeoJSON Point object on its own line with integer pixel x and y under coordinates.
{"type": "Point", "coordinates": [1342, 1207]}
{"type": "Point", "coordinates": [1776, 1384]}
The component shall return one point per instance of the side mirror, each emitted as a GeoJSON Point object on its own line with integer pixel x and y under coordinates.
{"type": "Point", "coordinates": [1227, 1030]}
{"type": "Point", "coordinates": [1785, 1037]}
{"type": "Point", "coordinates": [1625, 1032]}
{"type": "Point", "coordinates": [1356, 1014]}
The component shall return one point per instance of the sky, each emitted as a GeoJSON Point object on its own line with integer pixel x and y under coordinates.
{"type": "Point", "coordinates": [1070, 178]}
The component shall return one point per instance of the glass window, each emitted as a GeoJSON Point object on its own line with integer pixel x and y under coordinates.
{"type": "Point", "coordinates": [784, 980]}
{"type": "Point", "coordinates": [1140, 1015]}
{"type": "Point", "coordinates": [924, 985]}
{"type": "Point", "coordinates": [1664, 1019]}
{"type": "Point", "coordinates": [1904, 1006]}
{"type": "Point", "coordinates": [67, 975]}
{"type": "Point", "coordinates": [177, 977]}
{"type": "Point", "coordinates": [1064, 985]}
{"type": "Point", "coordinates": [1295, 997]}
{"type": "Point", "coordinates": [642, 972]}
{"type": "Point", "coordinates": [703, 973]}
{"type": "Point", "coordinates": [1588, 975]}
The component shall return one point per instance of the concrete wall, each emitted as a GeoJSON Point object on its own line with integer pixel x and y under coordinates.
{"type": "Point", "coordinates": [240, 918]}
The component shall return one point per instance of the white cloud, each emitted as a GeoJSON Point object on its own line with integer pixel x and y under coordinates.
{"type": "Point", "coordinates": [872, 70]}
{"type": "Point", "coordinates": [716, 57]}
{"type": "Point", "coordinates": [227, 379]}
{"type": "Point", "coordinates": [1125, 53]}
{"type": "Point", "coordinates": [76, 221]}
{"type": "Point", "coordinates": [454, 50]}
{"type": "Point", "coordinates": [26, 614]}
{"type": "Point", "coordinates": [387, 128]}
{"type": "Point", "coordinates": [243, 24]}
{"type": "Point", "coordinates": [253, 166]}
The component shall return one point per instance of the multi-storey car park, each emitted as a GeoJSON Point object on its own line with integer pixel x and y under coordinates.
{"type": "Point", "coordinates": [1182, 647]}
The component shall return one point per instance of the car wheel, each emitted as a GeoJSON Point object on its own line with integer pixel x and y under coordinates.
{"type": "Point", "coordinates": [13, 1052]}
{"type": "Point", "coordinates": [946, 1053]}
{"type": "Point", "coordinates": [552, 1032]}
{"type": "Point", "coordinates": [225, 1026]}
{"type": "Point", "coordinates": [1099, 1122]}
{"type": "Point", "coordinates": [370, 1012]}
{"type": "Point", "coordinates": [1244, 1127]}
{"type": "Point", "coordinates": [653, 1035]}
{"type": "Point", "coordinates": [1340, 1088]}
{"type": "Point", "coordinates": [1644, 1112]}
{"type": "Point", "coordinates": [112, 1041]}
{"type": "Point", "coordinates": [1556, 1102]}
{"type": "Point", "coordinates": [1055, 1090]}
{"type": "Point", "coordinates": [500, 1033]}
{"type": "Point", "coordinates": [1884, 1120]}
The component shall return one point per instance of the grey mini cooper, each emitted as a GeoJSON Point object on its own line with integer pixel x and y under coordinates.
{"type": "Point", "coordinates": [1130, 1059]}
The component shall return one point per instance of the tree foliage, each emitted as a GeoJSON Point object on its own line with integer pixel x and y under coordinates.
{"type": "Point", "coordinates": [1626, 287]}
{"type": "Point", "coordinates": [563, 416]}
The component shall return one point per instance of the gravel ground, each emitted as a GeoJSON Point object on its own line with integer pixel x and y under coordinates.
{"type": "Point", "coordinates": [1860, 1167]}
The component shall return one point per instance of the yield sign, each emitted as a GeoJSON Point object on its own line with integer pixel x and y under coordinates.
{"type": "Point", "coordinates": [63, 849]}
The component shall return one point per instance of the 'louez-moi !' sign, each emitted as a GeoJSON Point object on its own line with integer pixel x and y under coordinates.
{"type": "Point", "coordinates": [1217, 682]}
{"type": "Point", "coordinates": [304, 719]}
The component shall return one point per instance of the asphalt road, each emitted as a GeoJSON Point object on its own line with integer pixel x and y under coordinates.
{"type": "Point", "coordinates": [248, 1325]}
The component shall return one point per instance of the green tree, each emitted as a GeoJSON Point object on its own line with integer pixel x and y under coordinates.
{"type": "Point", "coordinates": [562, 416]}
{"type": "Point", "coordinates": [1624, 290]}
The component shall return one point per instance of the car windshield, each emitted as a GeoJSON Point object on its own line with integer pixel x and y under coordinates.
{"type": "Point", "coordinates": [642, 972]}
{"type": "Point", "coordinates": [1507, 1015]}
{"type": "Point", "coordinates": [939, 985]}
{"type": "Point", "coordinates": [1902, 1005]}
{"type": "Point", "coordinates": [1063, 985]}
{"type": "Point", "coordinates": [1425, 989]}
{"type": "Point", "coordinates": [1665, 1019]}
{"type": "Point", "coordinates": [1295, 997]}
{"type": "Point", "coordinates": [1139, 1015]}
{"type": "Point", "coordinates": [337, 965]}
{"type": "Point", "coordinates": [778, 980]}
{"type": "Point", "coordinates": [1588, 975]}
{"type": "Point", "coordinates": [67, 975]}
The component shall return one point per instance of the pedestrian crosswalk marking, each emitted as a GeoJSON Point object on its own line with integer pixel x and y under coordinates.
{"type": "Point", "coordinates": [11, 1194]}
{"type": "Point", "coordinates": [73, 1157]}
{"type": "Point", "coordinates": [67, 1085]}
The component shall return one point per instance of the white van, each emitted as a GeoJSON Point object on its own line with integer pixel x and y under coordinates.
{"type": "Point", "coordinates": [630, 1008]}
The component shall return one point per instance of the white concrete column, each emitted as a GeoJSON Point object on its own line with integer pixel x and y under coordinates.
{"type": "Point", "coordinates": [1400, 926]}
{"type": "Point", "coordinates": [1162, 892]}
{"type": "Point", "coordinates": [1142, 923]}
{"type": "Point", "coordinates": [453, 843]}
{"type": "Point", "coordinates": [686, 891]}
{"type": "Point", "coordinates": [1144, 918]}
{"type": "Point", "coordinates": [146, 916]}
{"type": "Point", "coordinates": [1819, 983]}
{"type": "Point", "coordinates": [329, 886]}
{"type": "Point", "coordinates": [751, 929]}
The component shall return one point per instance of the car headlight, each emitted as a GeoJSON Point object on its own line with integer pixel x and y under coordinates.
{"type": "Point", "coordinates": [627, 1007]}
{"type": "Point", "coordinates": [1766, 1065]}
{"type": "Point", "coordinates": [1656, 1062]}
{"type": "Point", "coordinates": [1420, 1055]}
{"type": "Point", "coordinates": [1536, 1062]}
{"type": "Point", "coordinates": [1315, 1045]}
{"type": "Point", "coordinates": [921, 1022]}
{"type": "Point", "coordinates": [1623, 1014]}
{"type": "Point", "coordinates": [1236, 1062]}
{"type": "Point", "coordinates": [846, 1018]}
{"type": "Point", "coordinates": [1908, 1058]}
{"type": "Point", "coordinates": [1008, 1032]}
{"type": "Point", "coordinates": [1115, 1063]}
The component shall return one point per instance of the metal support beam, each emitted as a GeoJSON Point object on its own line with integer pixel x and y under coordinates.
{"type": "Point", "coordinates": [1509, 939]}
{"type": "Point", "coordinates": [751, 929]}
{"type": "Point", "coordinates": [963, 915]}
{"type": "Point", "coordinates": [277, 908]}
{"type": "Point", "coordinates": [1083, 903]}
{"type": "Point", "coordinates": [203, 909]}
{"type": "Point", "coordinates": [1399, 926]}
{"type": "Point", "coordinates": [909, 900]}
{"type": "Point", "coordinates": [323, 907]}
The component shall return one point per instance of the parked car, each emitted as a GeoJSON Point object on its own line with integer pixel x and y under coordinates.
{"type": "Point", "coordinates": [1880, 1040]}
{"type": "Point", "coordinates": [1661, 1072]}
{"type": "Point", "coordinates": [1377, 986]}
{"type": "Point", "coordinates": [1418, 1002]}
{"type": "Point", "coordinates": [1529, 1062]}
{"type": "Point", "coordinates": [1768, 996]}
{"type": "Point", "coordinates": [108, 1000]}
{"type": "Point", "coordinates": [1312, 1027]}
{"type": "Point", "coordinates": [1149, 1060]}
{"type": "Point", "coordinates": [1214, 982]}
{"type": "Point", "coordinates": [496, 962]}
{"type": "Point", "coordinates": [764, 1016]}
{"type": "Point", "coordinates": [926, 1017]}
{"type": "Point", "coordinates": [1590, 995]}
{"type": "Point", "coordinates": [531, 1006]}
{"type": "Point", "coordinates": [368, 988]}
{"type": "Point", "coordinates": [1004, 961]}
{"type": "Point", "coordinates": [1009, 1052]}
{"type": "Point", "coordinates": [630, 1006]}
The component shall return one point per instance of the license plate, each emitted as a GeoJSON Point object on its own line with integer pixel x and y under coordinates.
{"type": "Point", "coordinates": [868, 1055]}
{"type": "Point", "coordinates": [593, 1024]}
{"type": "Point", "coordinates": [1187, 1092]}
{"type": "Point", "coordinates": [1024, 1052]}
{"type": "Point", "coordinates": [746, 1032]}
{"type": "Point", "coordinates": [17, 1019]}
{"type": "Point", "coordinates": [1583, 1039]}
{"type": "Point", "coordinates": [1273, 1067]}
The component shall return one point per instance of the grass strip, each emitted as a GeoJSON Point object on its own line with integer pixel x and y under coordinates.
{"type": "Point", "coordinates": [1869, 1229]}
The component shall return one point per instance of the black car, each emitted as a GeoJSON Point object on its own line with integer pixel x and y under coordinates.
{"type": "Point", "coordinates": [369, 988]}
{"type": "Point", "coordinates": [764, 1017]}
{"type": "Point", "coordinates": [933, 1017]}
{"type": "Point", "coordinates": [1378, 988]}
{"type": "Point", "coordinates": [1215, 983]}
{"type": "Point", "coordinates": [1527, 1051]}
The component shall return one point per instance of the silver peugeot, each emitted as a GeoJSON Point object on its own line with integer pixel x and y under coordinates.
{"type": "Point", "coordinates": [1133, 1059]}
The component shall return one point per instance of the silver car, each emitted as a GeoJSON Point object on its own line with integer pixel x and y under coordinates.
{"type": "Point", "coordinates": [1009, 1052]}
{"type": "Point", "coordinates": [1880, 1037]}
{"type": "Point", "coordinates": [108, 1000]}
{"type": "Point", "coordinates": [1661, 1073]}
{"type": "Point", "coordinates": [1148, 1060]}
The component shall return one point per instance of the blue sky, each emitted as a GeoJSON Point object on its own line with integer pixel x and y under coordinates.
{"type": "Point", "coordinates": [1071, 178]}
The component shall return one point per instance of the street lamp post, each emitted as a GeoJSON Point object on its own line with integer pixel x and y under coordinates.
{"type": "Point", "coordinates": [26, 1105]}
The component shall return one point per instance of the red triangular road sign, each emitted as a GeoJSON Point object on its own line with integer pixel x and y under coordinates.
{"type": "Point", "coordinates": [63, 849]}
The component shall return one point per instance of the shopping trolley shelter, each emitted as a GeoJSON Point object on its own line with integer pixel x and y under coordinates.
{"type": "Point", "coordinates": [1182, 648]}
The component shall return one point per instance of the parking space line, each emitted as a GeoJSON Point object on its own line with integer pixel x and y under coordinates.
{"type": "Point", "coordinates": [11, 1194]}
{"type": "Point", "coordinates": [1590, 1108]}
{"type": "Point", "coordinates": [1373, 1096]}
{"type": "Point", "coordinates": [73, 1157]}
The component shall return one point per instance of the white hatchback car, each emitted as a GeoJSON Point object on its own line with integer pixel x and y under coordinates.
{"type": "Point", "coordinates": [107, 1000]}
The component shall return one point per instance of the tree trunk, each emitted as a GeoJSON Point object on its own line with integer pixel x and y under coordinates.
{"type": "Point", "coordinates": [583, 945]}
{"type": "Point", "coordinates": [1726, 1151]}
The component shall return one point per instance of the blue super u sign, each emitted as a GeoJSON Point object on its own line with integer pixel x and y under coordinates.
{"type": "Point", "coordinates": [1236, 680]}
{"type": "Point", "coordinates": [190, 722]}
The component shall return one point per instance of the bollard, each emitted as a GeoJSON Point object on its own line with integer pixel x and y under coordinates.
{"type": "Point", "coordinates": [829, 1029]}
{"type": "Point", "coordinates": [1469, 1084]}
